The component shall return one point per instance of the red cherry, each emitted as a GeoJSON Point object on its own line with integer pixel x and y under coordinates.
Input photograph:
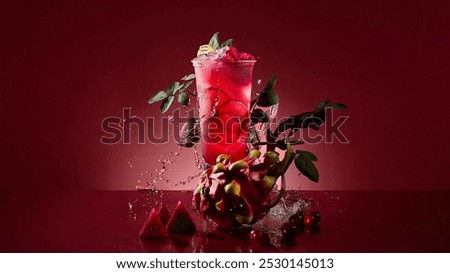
{"type": "Point", "coordinates": [256, 234]}
{"type": "Point", "coordinates": [297, 219]}
{"type": "Point", "coordinates": [288, 230]}
{"type": "Point", "coordinates": [308, 220]}
{"type": "Point", "coordinates": [259, 237]}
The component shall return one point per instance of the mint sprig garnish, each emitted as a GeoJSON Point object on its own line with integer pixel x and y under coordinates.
{"type": "Point", "coordinates": [214, 42]}
{"type": "Point", "coordinates": [304, 160]}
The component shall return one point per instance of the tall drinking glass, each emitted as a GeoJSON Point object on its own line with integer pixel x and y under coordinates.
{"type": "Point", "coordinates": [223, 92]}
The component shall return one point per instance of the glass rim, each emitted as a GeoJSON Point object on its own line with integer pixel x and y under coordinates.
{"type": "Point", "coordinates": [199, 62]}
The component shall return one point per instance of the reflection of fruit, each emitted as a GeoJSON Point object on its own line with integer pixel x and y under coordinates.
{"type": "Point", "coordinates": [316, 216]}
{"type": "Point", "coordinates": [153, 227]}
{"type": "Point", "coordinates": [181, 221]}
{"type": "Point", "coordinates": [229, 194]}
{"type": "Point", "coordinates": [288, 230]}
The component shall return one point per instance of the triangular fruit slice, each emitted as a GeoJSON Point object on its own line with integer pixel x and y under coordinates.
{"type": "Point", "coordinates": [164, 214]}
{"type": "Point", "coordinates": [153, 228]}
{"type": "Point", "coordinates": [181, 221]}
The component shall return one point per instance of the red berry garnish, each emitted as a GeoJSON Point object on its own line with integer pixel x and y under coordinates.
{"type": "Point", "coordinates": [256, 234]}
{"type": "Point", "coordinates": [259, 237]}
{"type": "Point", "coordinates": [308, 220]}
{"type": "Point", "coordinates": [316, 216]}
{"type": "Point", "coordinates": [288, 230]}
{"type": "Point", "coordinates": [297, 219]}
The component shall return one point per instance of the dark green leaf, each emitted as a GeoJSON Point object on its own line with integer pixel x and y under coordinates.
{"type": "Point", "coordinates": [185, 85]}
{"type": "Point", "coordinates": [165, 105]}
{"type": "Point", "coordinates": [228, 42]}
{"type": "Point", "coordinates": [157, 97]}
{"type": "Point", "coordinates": [214, 41]}
{"type": "Point", "coordinates": [183, 98]}
{"type": "Point", "coordinates": [281, 144]}
{"type": "Point", "coordinates": [306, 154]}
{"type": "Point", "coordinates": [173, 88]}
{"type": "Point", "coordinates": [321, 105]}
{"type": "Point", "coordinates": [337, 106]}
{"type": "Point", "coordinates": [267, 99]}
{"type": "Point", "coordinates": [258, 116]}
{"type": "Point", "coordinates": [188, 77]}
{"type": "Point", "coordinates": [305, 165]}
{"type": "Point", "coordinates": [271, 83]}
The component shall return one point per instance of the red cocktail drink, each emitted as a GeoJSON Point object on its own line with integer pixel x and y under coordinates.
{"type": "Point", "coordinates": [224, 82]}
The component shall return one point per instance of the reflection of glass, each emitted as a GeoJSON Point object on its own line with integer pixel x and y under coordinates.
{"type": "Point", "coordinates": [223, 92]}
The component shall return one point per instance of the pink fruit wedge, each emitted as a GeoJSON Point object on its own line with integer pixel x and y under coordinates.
{"type": "Point", "coordinates": [153, 228]}
{"type": "Point", "coordinates": [181, 221]}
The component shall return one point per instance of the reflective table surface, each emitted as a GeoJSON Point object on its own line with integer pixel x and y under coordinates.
{"type": "Point", "coordinates": [109, 221]}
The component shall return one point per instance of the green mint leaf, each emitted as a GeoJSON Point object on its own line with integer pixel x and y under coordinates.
{"type": "Point", "coordinates": [185, 85]}
{"type": "Point", "coordinates": [258, 116]}
{"type": "Point", "coordinates": [173, 88]}
{"type": "Point", "coordinates": [214, 42]}
{"type": "Point", "coordinates": [188, 77]}
{"type": "Point", "coordinates": [157, 97]}
{"type": "Point", "coordinates": [228, 42]}
{"type": "Point", "coordinates": [271, 83]}
{"type": "Point", "coordinates": [337, 106]}
{"type": "Point", "coordinates": [165, 105]}
{"type": "Point", "coordinates": [268, 97]}
{"type": "Point", "coordinates": [183, 98]}
{"type": "Point", "coordinates": [321, 105]}
{"type": "Point", "coordinates": [305, 165]}
{"type": "Point", "coordinates": [306, 154]}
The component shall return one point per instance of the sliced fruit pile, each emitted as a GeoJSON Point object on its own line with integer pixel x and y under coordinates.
{"type": "Point", "coordinates": [160, 223]}
{"type": "Point", "coordinates": [233, 194]}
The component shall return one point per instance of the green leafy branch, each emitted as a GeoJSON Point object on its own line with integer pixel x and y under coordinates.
{"type": "Point", "coordinates": [175, 89]}
{"type": "Point", "coordinates": [304, 160]}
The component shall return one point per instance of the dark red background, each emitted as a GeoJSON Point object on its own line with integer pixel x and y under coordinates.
{"type": "Point", "coordinates": [67, 65]}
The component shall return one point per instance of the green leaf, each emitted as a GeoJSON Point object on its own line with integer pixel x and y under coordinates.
{"type": "Point", "coordinates": [321, 105]}
{"type": "Point", "coordinates": [173, 88]}
{"type": "Point", "coordinates": [228, 42]}
{"type": "Point", "coordinates": [305, 165]}
{"type": "Point", "coordinates": [185, 85]}
{"type": "Point", "coordinates": [157, 97]}
{"type": "Point", "coordinates": [214, 41]}
{"type": "Point", "coordinates": [165, 105]}
{"type": "Point", "coordinates": [337, 106]}
{"type": "Point", "coordinates": [268, 97]}
{"type": "Point", "coordinates": [271, 83]}
{"type": "Point", "coordinates": [183, 98]}
{"type": "Point", "coordinates": [306, 154]}
{"type": "Point", "coordinates": [188, 77]}
{"type": "Point", "coordinates": [258, 116]}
